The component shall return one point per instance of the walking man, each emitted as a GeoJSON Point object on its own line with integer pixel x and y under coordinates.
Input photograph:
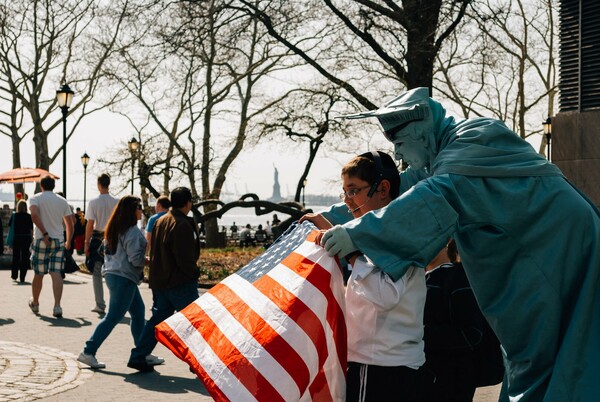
{"type": "Point", "coordinates": [98, 211]}
{"type": "Point", "coordinates": [173, 275]}
{"type": "Point", "coordinates": [48, 212]}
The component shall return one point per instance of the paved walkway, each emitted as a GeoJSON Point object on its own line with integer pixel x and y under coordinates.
{"type": "Point", "coordinates": [38, 353]}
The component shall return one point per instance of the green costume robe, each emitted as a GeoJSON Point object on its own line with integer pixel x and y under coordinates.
{"type": "Point", "coordinates": [529, 242]}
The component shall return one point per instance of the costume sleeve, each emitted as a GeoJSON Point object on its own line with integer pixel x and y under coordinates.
{"type": "Point", "coordinates": [410, 177]}
{"type": "Point", "coordinates": [369, 282]}
{"type": "Point", "coordinates": [337, 214]}
{"type": "Point", "coordinates": [411, 230]}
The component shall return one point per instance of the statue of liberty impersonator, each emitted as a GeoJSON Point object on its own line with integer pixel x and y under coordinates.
{"type": "Point", "coordinates": [529, 241]}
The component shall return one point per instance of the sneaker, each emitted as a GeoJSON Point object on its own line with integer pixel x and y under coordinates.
{"type": "Point", "coordinates": [34, 307]}
{"type": "Point", "coordinates": [98, 310]}
{"type": "Point", "coordinates": [90, 360]}
{"type": "Point", "coordinates": [141, 366]}
{"type": "Point", "coordinates": [154, 360]}
{"type": "Point", "coordinates": [57, 312]}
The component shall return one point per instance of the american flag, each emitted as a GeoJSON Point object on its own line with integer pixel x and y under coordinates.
{"type": "Point", "coordinates": [273, 331]}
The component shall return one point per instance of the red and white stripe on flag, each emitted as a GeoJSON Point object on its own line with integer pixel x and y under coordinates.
{"type": "Point", "coordinates": [280, 336]}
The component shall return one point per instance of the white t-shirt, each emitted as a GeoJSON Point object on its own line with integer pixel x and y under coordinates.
{"type": "Point", "coordinates": [385, 318]}
{"type": "Point", "coordinates": [52, 209]}
{"type": "Point", "coordinates": [99, 210]}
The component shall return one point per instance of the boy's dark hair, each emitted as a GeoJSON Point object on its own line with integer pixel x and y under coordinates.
{"type": "Point", "coordinates": [48, 183]}
{"type": "Point", "coordinates": [365, 168]}
{"type": "Point", "coordinates": [104, 180]}
{"type": "Point", "coordinates": [164, 201]}
{"type": "Point", "coordinates": [180, 196]}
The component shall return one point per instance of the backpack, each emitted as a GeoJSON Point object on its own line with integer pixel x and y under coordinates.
{"type": "Point", "coordinates": [488, 354]}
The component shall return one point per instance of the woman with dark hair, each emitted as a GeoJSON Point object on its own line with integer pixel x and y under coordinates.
{"type": "Point", "coordinates": [125, 255]}
{"type": "Point", "coordinates": [22, 237]}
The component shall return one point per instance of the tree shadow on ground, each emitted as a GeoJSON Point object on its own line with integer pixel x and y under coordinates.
{"type": "Point", "coordinates": [166, 384]}
{"type": "Point", "coordinates": [6, 321]}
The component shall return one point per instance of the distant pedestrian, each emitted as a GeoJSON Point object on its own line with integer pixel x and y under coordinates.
{"type": "Point", "coordinates": [246, 238]}
{"type": "Point", "coordinates": [9, 236]}
{"type": "Point", "coordinates": [48, 212]}
{"type": "Point", "coordinates": [125, 256]}
{"type": "Point", "coordinates": [173, 275]}
{"type": "Point", "coordinates": [162, 206]}
{"type": "Point", "coordinates": [79, 235]}
{"type": "Point", "coordinates": [98, 211]}
{"type": "Point", "coordinates": [260, 235]}
{"type": "Point", "coordinates": [22, 238]}
{"type": "Point", "coordinates": [269, 229]}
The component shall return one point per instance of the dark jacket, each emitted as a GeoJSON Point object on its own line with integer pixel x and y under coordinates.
{"type": "Point", "coordinates": [453, 321]}
{"type": "Point", "coordinates": [175, 251]}
{"type": "Point", "coordinates": [22, 226]}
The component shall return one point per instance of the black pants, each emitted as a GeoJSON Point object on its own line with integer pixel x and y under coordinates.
{"type": "Point", "coordinates": [382, 384]}
{"type": "Point", "coordinates": [20, 259]}
{"type": "Point", "coordinates": [454, 377]}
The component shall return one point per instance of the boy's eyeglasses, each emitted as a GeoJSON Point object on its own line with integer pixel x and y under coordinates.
{"type": "Point", "coordinates": [353, 192]}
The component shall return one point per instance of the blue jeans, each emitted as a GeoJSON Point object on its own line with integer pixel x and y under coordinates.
{"type": "Point", "coordinates": [164, 303]}
{"type": "Point", "coordinates": [124, 296]}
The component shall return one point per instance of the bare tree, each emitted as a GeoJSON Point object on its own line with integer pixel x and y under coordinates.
{"type": "Point", "coordinates": [389, 42]}
{"type": "Point", "coordinates": [199, 76]}
{"type": "Point", "coordinates": [44, 43]}
{"type": "Point", "coordinates": [503, 63]}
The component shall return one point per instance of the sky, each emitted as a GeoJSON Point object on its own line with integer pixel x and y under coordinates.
{"type": "Point", "coordinates": [253, 171]}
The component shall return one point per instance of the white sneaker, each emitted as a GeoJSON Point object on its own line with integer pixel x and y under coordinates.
{"type": "Point", "coordinates": [91, 361]}
{"type": "Point", "coordinates": [154, 360]}
{"type": "Point", "coordinates": [34, 307]}
{"type": "Point", "coordinates": [57, 312]}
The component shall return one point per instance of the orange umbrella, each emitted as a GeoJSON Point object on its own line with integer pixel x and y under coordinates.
{"type": "Point", "coordinates": [24, 175]}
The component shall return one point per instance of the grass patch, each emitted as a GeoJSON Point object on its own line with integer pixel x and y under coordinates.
{"type": "Point", "coordinates": [216, 264]}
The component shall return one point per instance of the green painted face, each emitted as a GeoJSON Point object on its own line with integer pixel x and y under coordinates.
{"type": "Point", "coordinates": [411, 145]}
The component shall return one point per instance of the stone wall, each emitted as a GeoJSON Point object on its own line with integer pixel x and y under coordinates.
{"type": "Point", "coordinates": [576, 149]}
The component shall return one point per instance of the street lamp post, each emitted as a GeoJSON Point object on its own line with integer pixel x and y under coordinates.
{"type": "Point", "coordinates": [548, 134]}
{"type": "Point", "coordinates": [85, 160]}
{"type": "Point", "coordinates": [304, 191]}
{"type": "Point", "coordinates": [133, 146]}
{"type": "Point", "coordinates": [64, 97]}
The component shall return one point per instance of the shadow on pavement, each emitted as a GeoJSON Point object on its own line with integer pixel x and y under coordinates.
{"type": "Point", "coordinates": [69, 282]}
{"type": "Point", "coordinates": [66, 322]}
{"type": "Point", "coordinates": [161, 383]}
{"type": "Point", "coordinates": [6, 321]}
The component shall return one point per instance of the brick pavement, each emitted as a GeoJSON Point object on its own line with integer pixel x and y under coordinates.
{"type": "Point", "coordinates": [38, 353]}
